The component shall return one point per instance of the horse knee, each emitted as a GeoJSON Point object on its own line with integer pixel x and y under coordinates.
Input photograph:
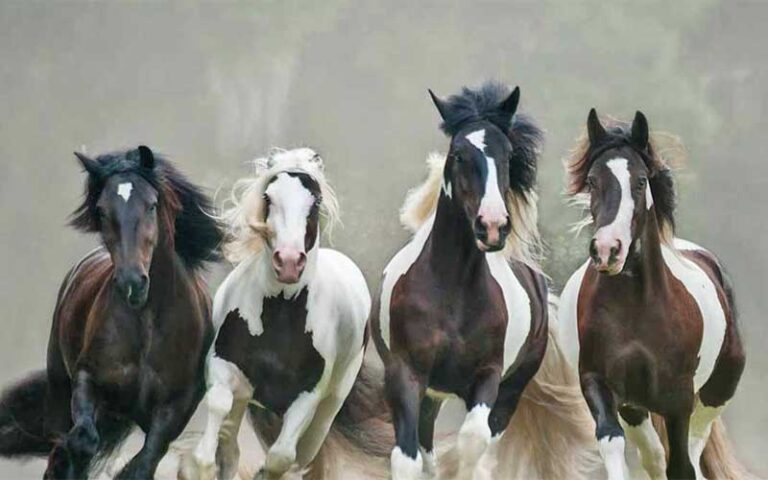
{"type": "Point", "coordinates": [83, 441]}
{"type": "Point", "coordinates": [219, 400]}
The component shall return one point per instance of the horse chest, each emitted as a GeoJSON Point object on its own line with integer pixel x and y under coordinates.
{"type": "Point", "coordinates": [281, 361]}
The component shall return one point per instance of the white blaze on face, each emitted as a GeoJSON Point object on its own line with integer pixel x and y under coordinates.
{"type": "Point", "coordinates": [492, 206]}
{"type": "Point", "coordinates": [289, 207]}
{"type": "Point", "coordinates": [621, 226]}
{"type": "Point", "coordinates": [124, 190]}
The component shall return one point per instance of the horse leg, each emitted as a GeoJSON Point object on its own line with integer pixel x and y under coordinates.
{"type": "Point", "coordinates": [680, 466]}
{"type": "Point", "coordinates": [475, 432]}
{"type": "Point", "coordinates": [700, 428]}
{"type": "Point", "coordinates": [226, 399]}
{"type": "Point", "coordinates": [639, 430]}
{"type": "Point", "coordinates": [430, 408]}
{"type": "Point", "coordinates": [610, 436]}
{"type": "Point", "coordinates": [312, 440]}
{"type": "Point", "coordinates": [404, 390]}
{"type": "Point", "coordinates": [167, 422]}
{"type": "Point", "coordinates": [72, 457]}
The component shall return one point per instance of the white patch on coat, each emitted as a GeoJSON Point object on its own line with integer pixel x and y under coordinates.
{"type": "Point", "coordinates": [648, 443]}
{"type": "Point", "coordinates": [698, 432]}
{"type": "Point", "coordinates": [517, 303]}
{"type": "Point", "coordinates": [447, 189]}
{"type": "Point", "coordinates": [620, 227]}
{"type": "Point", "coordinates": [612, 451]}
{"type": "Point", "coordinates": [648, 197]}
{"type": "Point", "coordinates": [704, 293]}
{"type": "Point", "coordinates": [124, 190]}
{"type": "Point", "coordinates": [403, 466]}
{"type": "Point", "coordinates": [567, 316]}
{"type": "Point", "coordinates": [396, 268]}
{"type": "Point", "coordinates": [473, 439]}
{"type": "Point", "coordinates": [429, 467]}
{"type": "Point", "coordinates": [492, 206]}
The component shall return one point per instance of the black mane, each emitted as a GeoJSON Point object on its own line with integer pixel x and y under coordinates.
{"type": "Point", "coordinates": [483, 104]}
{"type": "Point", "coordinates": [197, 236]}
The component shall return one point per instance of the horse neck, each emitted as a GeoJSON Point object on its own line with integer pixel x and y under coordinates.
{"type": "Point", "coordinates": [452, 250]}
{"type": "Point", "coordinates": [164, 271]}
{"type": "Point", "coordinates": [649, 260]}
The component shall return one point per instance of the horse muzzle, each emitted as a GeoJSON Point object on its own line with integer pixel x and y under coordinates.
{"type": "Point", "coordinates": [491, 234]}
{"type": "Point", "coordinates": [288, 265]}
{"type": "Point", "coordinates": [133, 287]}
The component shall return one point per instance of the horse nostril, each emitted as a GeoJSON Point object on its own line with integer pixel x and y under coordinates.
{"type": "Point", "coordinates": [480, 229]}
{"type": "Point", "coordinates": [143, 280]}
{"type": "Point", "coordinates": [615, 250]}
{"type": "Point", "coordinates": [277, 259]}
{"type": "Point", "coordinates": [302, 260]}
{"type": "Point", "coordinates": [593, 250]}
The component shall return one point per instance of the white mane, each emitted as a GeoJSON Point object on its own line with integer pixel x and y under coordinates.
{"type": "Point", "coordinates": [244, 213]}
{"type": "Point", "coordinates": [523, 243]}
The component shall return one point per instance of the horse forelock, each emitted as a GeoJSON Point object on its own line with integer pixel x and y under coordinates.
{"type": "Point", "coordinates": [245, 212]}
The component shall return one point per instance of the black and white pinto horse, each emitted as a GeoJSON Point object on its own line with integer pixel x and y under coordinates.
{"type": "Point", "coordinates": [651, 316]}
{"type": "Point", "coordinates": [463, 309]}
{"type": "Point", "coordinates": [290, 320]}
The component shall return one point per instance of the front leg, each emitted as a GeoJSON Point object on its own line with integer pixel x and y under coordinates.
{"type": "Point", "coordinates": [475, 433]}
{"type": "Point", "coordinates": [167, 423]}
{"type": "Point", "coordinates": [72, 457]}
{"type": "Point", "coordinates": [610, 436]}
{"type": "Point", "coordinates": [281, 456]}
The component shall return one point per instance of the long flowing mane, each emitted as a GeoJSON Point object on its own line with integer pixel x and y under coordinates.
{"type": "Point", "coordinates": [665, 151]}
{"type": "Point", "coordinates": [245, 212]}
{"type": "Point", "coordinates": [524, 243]}
{"type": "Point", "coordinates": [185, 213]}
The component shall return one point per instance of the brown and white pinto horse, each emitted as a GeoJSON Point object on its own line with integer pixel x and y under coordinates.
{"type": "Point", "coordinates": [131, 326]}
{"type": "Point", "coordinates": [653, 314]}
{"type": "Point", "coordinates": [463, 309]}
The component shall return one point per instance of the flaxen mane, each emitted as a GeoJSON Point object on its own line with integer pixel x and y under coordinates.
{"type": "Point", "coordinates": [245, 214]}
{"type": "Point", "coordinates": [185, 212]}
{"type": "Point", "coordinates": [524, 243]}
{"type": "Point", "coordinates": [664, 152]}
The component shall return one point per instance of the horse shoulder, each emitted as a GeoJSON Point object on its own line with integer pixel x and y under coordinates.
{"type": "Point", "coordinates": [397, 267]}
{"type": "Point", "coordinates": [240, 291]}
{"type": "Point", "coordinates": [517, 301]}
{"type": "Point", "coordinates": [703, 284]}
{"type": "Point", "coordinates": [568, 322]}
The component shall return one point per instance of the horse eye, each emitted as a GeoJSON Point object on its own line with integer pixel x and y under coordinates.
{"type": "Point", "coordinates": [152, 208]}
{"type": "Point", "coordinates": [641, 183]}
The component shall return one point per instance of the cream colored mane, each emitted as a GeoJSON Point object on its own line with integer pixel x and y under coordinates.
{"type": "Point", "coordinates": [523, 244]}
{"type": "Point", "coordinates": [244, 212]}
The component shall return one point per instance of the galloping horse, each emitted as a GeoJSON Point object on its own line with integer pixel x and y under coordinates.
{"type": "Point", "coordinates": [463, 308]}
{"type": "Point", "coordinates": [131, 325]}
{"type": "Point", "coordinates": [290, 320]}
{"type": "Point", "coordinates": [652, 316]}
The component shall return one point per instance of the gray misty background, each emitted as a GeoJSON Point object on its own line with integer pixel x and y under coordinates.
{"type": "Point", "coordinates": [217, 84]}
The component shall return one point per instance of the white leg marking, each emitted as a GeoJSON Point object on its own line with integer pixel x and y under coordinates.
{"type": "Point", "coordinates": [612, 452]}
{"type": "Point", "coordinates": [621, 226]}
{"type": "Point", "coordinates": [647, 441]}
{"type": "Point", "coordinates": [698, 432]}
{"type": "Point", "coordinates": [474, 437]}
{"type": "Point", "coordinates": [124, 190]}
{"type": "Point", "coordinates": [282, 454]}
{"type": "Point", "coordinates": [405, 467]}
{"type": "Point", "coordinates": [429, 468]}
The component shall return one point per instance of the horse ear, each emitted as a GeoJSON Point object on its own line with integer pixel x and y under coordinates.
{"type": "Point", "coordinates": [89, 165]}
{"type": "Point", "coordinates": [640, 131]}
{"type": "Point", "coordinates": [509, 106]}
{"type": "Point", "coordinates": [146, 157]}
{"type": "Point", "coordinates": [595, 129]}
{"type": "Point", "coordinates": [440, 104]}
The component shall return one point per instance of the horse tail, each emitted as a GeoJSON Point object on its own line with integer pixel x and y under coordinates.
{"type": "Point", "coordinates": [360, 440]}
{"type": "Point", "coordinates": [718, 459]}
{"type": "Point", "coordinates": [22, 417]}
{"type": "Point", "coordinates": [551, 416]}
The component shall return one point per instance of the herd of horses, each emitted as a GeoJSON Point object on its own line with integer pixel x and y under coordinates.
{"type": "Point", "coordinates": [643, 344]}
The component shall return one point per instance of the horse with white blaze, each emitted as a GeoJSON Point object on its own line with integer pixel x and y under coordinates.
{"type": "Point", "coordinates": [463, 309]}
{"type": "Point", "coordinates": [290, 321]}
{"type": "Point", "coordinates": [651, 316]}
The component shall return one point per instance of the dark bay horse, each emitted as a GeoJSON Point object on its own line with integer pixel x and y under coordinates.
{"type": "Point", "coordinates": [131, 326]}
{"type": "Point", "coordinates": [652, 316]}
{"type": "Point", "coordinates": [463, 308]}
